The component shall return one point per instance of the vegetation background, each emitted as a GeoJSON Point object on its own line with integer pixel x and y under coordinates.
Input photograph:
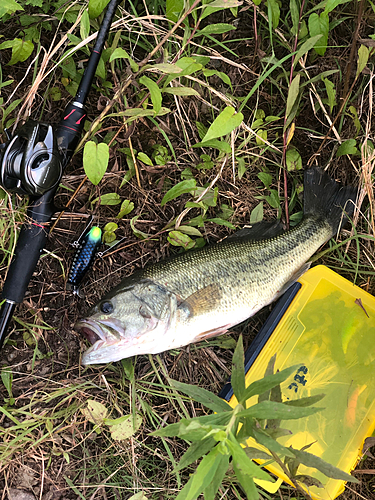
{"type": "Point", "coordinates": [200, 121]}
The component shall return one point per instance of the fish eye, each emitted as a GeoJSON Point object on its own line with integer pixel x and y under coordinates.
{"type": "Point", "coordinates": [106, 307]}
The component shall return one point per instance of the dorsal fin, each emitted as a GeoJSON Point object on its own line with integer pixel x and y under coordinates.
{"type": "Point", "coordinates": [259, 231]}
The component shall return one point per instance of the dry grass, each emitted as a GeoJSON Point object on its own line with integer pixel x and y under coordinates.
{"type": "Point", "coordinates": [48, 447]}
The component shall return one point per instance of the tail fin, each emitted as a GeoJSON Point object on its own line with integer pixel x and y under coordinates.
{"type": "Point", "coordinates": [325, 197]}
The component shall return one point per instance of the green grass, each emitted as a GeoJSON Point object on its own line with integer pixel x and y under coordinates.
{"type": "Point", "coordinates": [249, 68]}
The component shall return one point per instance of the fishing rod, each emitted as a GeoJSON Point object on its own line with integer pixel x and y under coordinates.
{"type": "Point", "coordinates": [32, 163]}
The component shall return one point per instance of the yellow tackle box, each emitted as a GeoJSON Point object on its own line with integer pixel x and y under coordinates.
{"type": "Point", "coordinates": [326, 325]}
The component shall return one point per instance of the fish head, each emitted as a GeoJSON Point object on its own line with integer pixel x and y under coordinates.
{"type": "Point", "coordinates": [126, 322]}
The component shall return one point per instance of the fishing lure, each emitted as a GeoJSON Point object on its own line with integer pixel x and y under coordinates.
{"type": "Point", "coordinates": [87, 251]}
{"type": "Point", "coordinates": [87, 246]}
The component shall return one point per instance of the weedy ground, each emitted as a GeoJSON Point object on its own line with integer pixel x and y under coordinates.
{"type": "Point", "coordinates": [319, 110]}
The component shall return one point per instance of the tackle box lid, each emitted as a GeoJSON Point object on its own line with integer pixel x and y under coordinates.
{"type": "Point", "coordinates": [325, 324]}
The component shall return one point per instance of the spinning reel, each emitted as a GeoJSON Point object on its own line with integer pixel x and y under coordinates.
{"type": "Point", "coordinates": [31, 162]}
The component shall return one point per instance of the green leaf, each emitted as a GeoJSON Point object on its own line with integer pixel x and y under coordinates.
{"type": "Point", "coordinates": [120, 53]}
{"type": "Point", "coordinates": [191, 231]}
{"type": "Point", "coordinates": [363, 55]}
{"type": "Point", "coordinates": [202, 477]}
{"type": "Point", "coordinates": [241, 167]}
{"type": "Point", "coordinates": [155, 92]}
{"type": "Point", "coordinates": [268, 382]}
{"type": "Point", "coordinates": [8, 7]}
{"type": "Point", "coordinates": [274, 12]}
{"type": "Point", "coordinates": [96, 7]}
{"type": "Point", "coordinates": [261, 137]}
{"type": "Point", "coordinates": [305, 47]}
{"type": "Point", "coordinates": [145, 159]}
{"type": "Point", "coordinates": [95, 161]}
{"type": "Point", "coordinates": [111, 227]}
{"type": "Point", "coordinates": [292, 95]}
{"type": "Point", "coordinates": [206, 398]}
{"type": "Point", "coordinates": [137, 232]}
{"type": "Point", "coordinates": [178, 239]}
{"type": "Point", "coordinates": [12, 106]}
{"type": "Point", "coordinates": [166, 68]}
{"type": "Point", "coordinates": [220, 74]}
{"type": "Point", "coordinates": [310, 460]}
{"type": "Point", "coordinates": [293, 160]}
{"type": "Point", "coordinates": [206, 421]}
{"type": "Point", "coordinates": [21, 49]}
{"type": "Point", "coordinates": [257, 214]}
{"type": "Point", "coordinates": [332, 4]}
{"type": "Point", "coordinates": [124, 427]}
{"type": "Point", "coordinates": [127, 206]}
{"type": "Point", "coordinates": [243, 463]}
{"type": "Point", "coordinates": [223, 124]}
{"type": "Point", "coordinates": [271, 444]}
{"type": "Point", "coordinates": [55, 93]}
{"type": "Point", "coordinates": [139, 113]}
{"type": "Point", "coordinates": [84, 28]}
{"type": "Point", "coordinates": [138, 496]}
{"type": "Point", "coordinates": [247, 483]}
{"type": "Point", "coordinates": [265, 178]}
{"type": "Point", "coordinates": [216, 144]}
{"type": "Point", "coordinates": [179, 189]}
{"type": "Point", "coordinates": [319, 25]}
{"type": "Point", "coordinates": [187, 65]}
{"type": "Point", "coordinates": [194, 452]}
{"type": "Point", "coordinates": [174, 8]}
{"type": "Point", "coordinates": [256, 454]}
{"type": "Point", "coordinates": [238, 371]}
{"type": "Point", "coordinates": [182, 91]}
{"type": "Point", "coordinates": [331, 93]}
{"type": "Point", "coordinates": [108, 237]}
{"type": "Point", "coordinates": [212, 489]}
{"type": "Point", "coordinates": [217, 5]}
{"type": "Point", "coordinates": [222, 222]}
{"type": "Point", "coordinates": [294, 12]}
{"type": "Point", "coordinates": [356, 121]}
{"type": "Point", "coordinates": [7, 379]}
{"type": "Point", "coordinates": [303, 402]}
{"type": "Point", "coordinates": [273, 198]}
{"type": "Point", "coordinates": [347, 148]}
{"type": "Point", "coordinates": [216, 29]}
{"type": "Point", "coordinates": [108, 199]}
{"type": "Point", "coordinates": [308, 480]}
{"type": "Point", "coordinates": [271, 409]}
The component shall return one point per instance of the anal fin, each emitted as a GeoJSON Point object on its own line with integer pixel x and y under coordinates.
{"type": "Point", "coordinates": [211, 333]}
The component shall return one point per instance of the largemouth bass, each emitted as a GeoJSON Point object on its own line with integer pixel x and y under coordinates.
{"type": "Point", "coordinates": [202, 293]}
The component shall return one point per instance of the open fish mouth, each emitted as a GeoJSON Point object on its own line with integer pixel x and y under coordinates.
{"type": "Point", "coordinates": [104, 335]}
{"type": "Point", "coordinates": [105, 331]}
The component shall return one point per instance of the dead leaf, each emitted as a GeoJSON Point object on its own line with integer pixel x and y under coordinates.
{"type": "Point", "coordinates": [122, 428]}
{"type": "Point", "coordinates": [369, 443]}
{"type": "Point", "coordinates": [16, 494]}
{"type": "Point", "coordinates": [95, 412]}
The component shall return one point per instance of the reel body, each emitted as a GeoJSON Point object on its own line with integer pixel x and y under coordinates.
{"type": "Point", "coordinates": [31, 162]}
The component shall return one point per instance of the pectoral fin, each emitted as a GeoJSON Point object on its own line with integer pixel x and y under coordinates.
{"type": "Point", "coordinates": [203, 300]}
